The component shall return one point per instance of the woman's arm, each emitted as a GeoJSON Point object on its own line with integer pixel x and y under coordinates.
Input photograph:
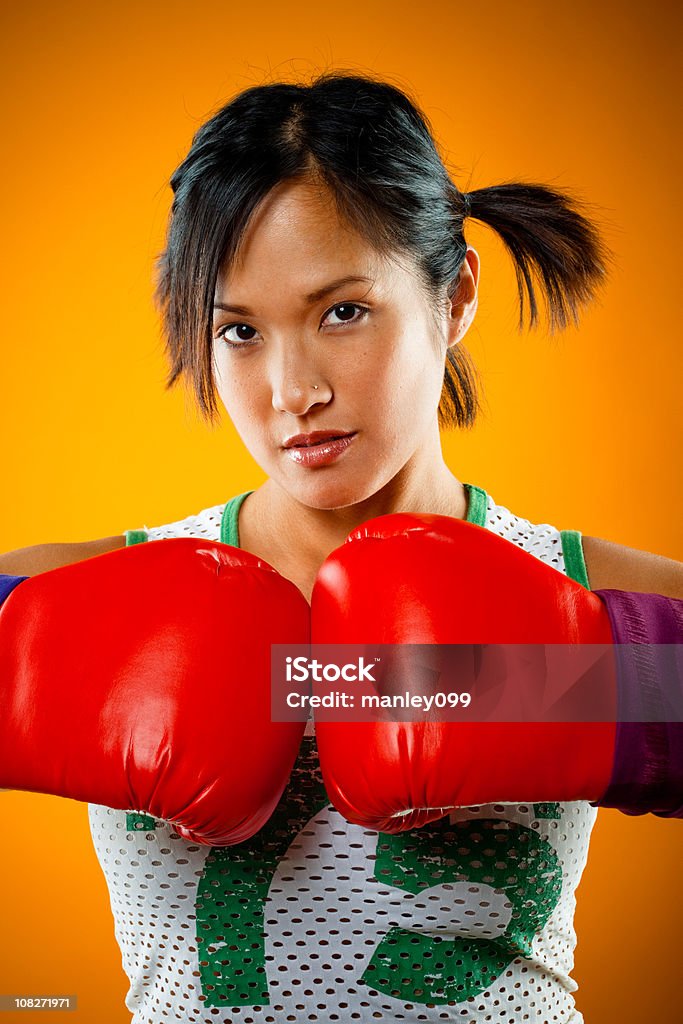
{"type": "Point", "coordinates": [640, 590]}
{"type": "Point", "coordinates": [615, 567]}
{"type": "Point", "coordinates": [43, 557]}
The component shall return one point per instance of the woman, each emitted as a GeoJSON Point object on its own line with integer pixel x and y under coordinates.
{"type": "Point", "coordinates": [317, 280]}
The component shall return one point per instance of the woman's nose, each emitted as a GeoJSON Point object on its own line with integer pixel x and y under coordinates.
{"type": "Point", "coordinates": [297, 387]}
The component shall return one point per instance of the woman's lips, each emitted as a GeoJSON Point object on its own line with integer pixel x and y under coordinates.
{"type": "Point", "coordinates": [321, 454]}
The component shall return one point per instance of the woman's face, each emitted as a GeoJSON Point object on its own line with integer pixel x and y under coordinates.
{"type": "Point", "coordinates": [311, 303]}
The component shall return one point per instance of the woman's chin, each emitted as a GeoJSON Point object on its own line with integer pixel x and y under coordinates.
{"type": "Point", "coordinates": [329, 495]}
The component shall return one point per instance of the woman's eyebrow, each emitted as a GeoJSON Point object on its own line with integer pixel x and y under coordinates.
{"type": "Point", "coordinates": [312, 297]}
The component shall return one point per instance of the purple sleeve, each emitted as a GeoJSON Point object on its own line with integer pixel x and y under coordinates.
{"type": "Point", "coordinates": [8, 583]}
{"type": "Point", "coordinates": [647, 775]}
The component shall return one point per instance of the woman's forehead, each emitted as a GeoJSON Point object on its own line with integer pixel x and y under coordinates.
{"type": "Point", "coordinates": [295, 215]}
{"type": "Point", "coordinates": [297, 236]}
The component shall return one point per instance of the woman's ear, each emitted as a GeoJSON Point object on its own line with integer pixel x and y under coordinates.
{"type": "Point", "coordinates": [463, 304]}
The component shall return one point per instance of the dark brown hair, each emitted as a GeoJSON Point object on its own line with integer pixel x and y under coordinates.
{"type": "Point", "coordinates": [372, 146]}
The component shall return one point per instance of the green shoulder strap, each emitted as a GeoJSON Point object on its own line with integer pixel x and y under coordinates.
{"type": "Point", "coordinates": [574, 562]}
{"type": "Point", "coordinates": [135, 537]}
{"type": "Point", "coordinates": [229, 529]}
{"type": "Point", "coordinates": [477, 503]}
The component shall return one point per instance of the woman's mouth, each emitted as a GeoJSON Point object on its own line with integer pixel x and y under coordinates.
{"type": "Point", "coordinates": [318, 453]}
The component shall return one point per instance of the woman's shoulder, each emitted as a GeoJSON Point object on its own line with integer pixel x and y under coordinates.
{"type": "Point", "coordinates": [616, 567]}
{"type": "Point", "coordinates": [598, 564]}
{"type": "Point", "coordinates": [205, 524]}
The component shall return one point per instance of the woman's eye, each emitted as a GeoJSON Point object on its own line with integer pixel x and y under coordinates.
{"type": "Point", "coordinates": [344, 311]}
{"type": "Point", "coordinates": [242, 335]}
{"type": "Point", "coordinates": [238, 339]}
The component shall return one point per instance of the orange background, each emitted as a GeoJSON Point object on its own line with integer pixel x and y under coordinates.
{"type": "Point", "coordinates": [582, 431]}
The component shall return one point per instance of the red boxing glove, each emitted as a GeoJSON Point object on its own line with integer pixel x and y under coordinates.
{"type": "Point", "coordinates": [428, 579]}
{"type": "Point", "coordinates": [140, 679]}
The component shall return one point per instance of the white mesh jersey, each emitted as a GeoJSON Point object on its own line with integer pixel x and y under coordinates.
{"type": "Point", "coordinates": [469, 919]}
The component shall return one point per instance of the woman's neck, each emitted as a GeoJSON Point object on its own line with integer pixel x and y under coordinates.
{"type": "Point", "coordinates": [280, 529]}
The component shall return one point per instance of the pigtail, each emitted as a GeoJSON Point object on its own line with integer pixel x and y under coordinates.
{"type": "Point", "coordinates": [551, 242]}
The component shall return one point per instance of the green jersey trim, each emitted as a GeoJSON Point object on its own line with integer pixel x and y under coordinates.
{"type": "Point", "coordinates": [230, 533]}
{"type": "Point", "coordinates": [135, 537]}
{"type": "Point", "coordinates": [477, 504]}
{"type": "Point", "coordinates": [574, 562]}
